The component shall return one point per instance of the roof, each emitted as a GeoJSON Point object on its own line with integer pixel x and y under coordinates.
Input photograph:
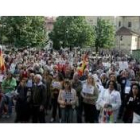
{"type": "Point", "coordinates": [126, 31]}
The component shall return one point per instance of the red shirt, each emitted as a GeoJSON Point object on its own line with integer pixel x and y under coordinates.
{"type": "Point", "coordinates": [24, 74]}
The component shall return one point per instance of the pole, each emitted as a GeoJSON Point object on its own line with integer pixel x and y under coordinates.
{"type": "Point", "coordinates": [119, 42]}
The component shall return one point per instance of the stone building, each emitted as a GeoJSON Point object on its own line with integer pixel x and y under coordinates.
{"type": "Point", "coordinates": [127, 30]}
{"type": "Point", "coordinates": [50, 23]}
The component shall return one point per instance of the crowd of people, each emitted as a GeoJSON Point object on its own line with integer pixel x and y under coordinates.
{"type": "Point", "coordinates": [103, 89]}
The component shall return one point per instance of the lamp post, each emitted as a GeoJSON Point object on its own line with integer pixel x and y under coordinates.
{"type": "Point", "coordinates": [66, 36]}
{"type": "Point", "coordinates": [120, 39]}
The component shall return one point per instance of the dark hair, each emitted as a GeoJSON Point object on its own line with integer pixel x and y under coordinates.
{"type": "Point", "coordinates": [68, 83]}
{"type": "Point", "coordinates": [135, 84]}
{"type": "Point", "coordinates": [60, 77]}
{"type": "Point", "coordinates": [114, 84]}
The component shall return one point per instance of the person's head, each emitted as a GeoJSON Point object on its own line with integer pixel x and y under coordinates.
{"type": "Point", "coordinates": [130, 66]}
{"type": "Point", "coordinates": [127, 74]}
{"type": "Point", "coordinates": [9, 75]}
{"type": "Point", "coordinates": [112, 68]}
{"type": "Point", "coordinates": [60, 77]}
{"type": "Point", "coordinates": [55, 68]}
{"type": "Point", "coordinates": [90, 80]}
{"type": "Point", "coordinates": [38, 78]}
{"type": "Point", "coordinates": [23, 82]}
{"type": "Point", "coordinates": [103, 76]}
{"type": "Point", "coordinates": [122, 73]}
{"type": "Point", "coordinates": [68, 70]}
{"type": "Point", "coordinates": [86, 72]}
{"type": "Point", "coordinates": [112, 78]}
{"type": "Point", "coordinates": [67, 85]}
{"type": "Point", "coordinates": [32, 75]}
{"type": "Point", "coordinates": [112, 85]}
{"type": "Point", "coordinates": [135, 89]}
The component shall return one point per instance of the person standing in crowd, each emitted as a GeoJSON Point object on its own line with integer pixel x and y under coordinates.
{"type": "Point", "coordinates": [22, 108]}
{"type": "Point", "coordinates": [84, 77]}
{"type": "Point", "coordinates": [55, 88]}
{"type": "Point", "coordinates": [38, 100]}
{"type": "Point", "coordinates": [125, 89]}
{"type": "Point", "coordinates": [109, 103]}
{"type": "Point", "coordinates": [8, 86]}
{"type": "Point", "coordinates": [68, 73]}
{"type": "Point", "coordinates": [131, 72]}
{"type": "Point", "coordinates": [113, 77]}
{"type": "Point", "coordinates": [47, 79]}
{"type": "Point", "coordinates": [104, 79]}
{"type": "Point", "coordinates": [67, 100]}
{"type": "Point", "coordinates": [2, 101]}
{"type": "Point", "coordinates": [112, 70]}
{"type": "Point", "coordinates": [90, 95]}
{"type": "Point", "coordinates": [132, 105]}
{"type": "Point", "coordinates": [77, 85]}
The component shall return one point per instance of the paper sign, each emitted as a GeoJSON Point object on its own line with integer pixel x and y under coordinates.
{"type": "Point", "coordinates": [136, 118]}
{"type": "Point", "coordinates": [88, 89]}
{"type": "Point", "coordinates": [1, 78]}
{"type": "Point", "coordinates": [56, 85]}
{"type": "Point", "coordinates": [127, 90]}
{"type": "Point", "coordinates": [68, 97]}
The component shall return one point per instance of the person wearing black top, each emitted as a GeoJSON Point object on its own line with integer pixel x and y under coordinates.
{"type": "Point", "coordinates": [38, 100]}
{"type": "Point", "coordinates": [77, 85]}
{"type": "Point", "coordinates": [22, 106]}
{"type": "Point", "coordinates": [132, 104]}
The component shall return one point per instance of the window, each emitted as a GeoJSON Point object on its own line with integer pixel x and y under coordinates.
{"type": "Point", "coordinates": [129, 24]}
{"type": "Point", "coordinates": [119, 23]}
{"type": "Point", "coordinates": [136, 39]}
{"type": "Point", "coordinates": [121, 38]}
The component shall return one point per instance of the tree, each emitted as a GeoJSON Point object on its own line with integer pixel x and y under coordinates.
{"type": "Point", "coordinates": [22, 31]}
{"type": "Point", "coordinates": [105, 34]}
{"type": "Point", "coordinates": [71, 31]}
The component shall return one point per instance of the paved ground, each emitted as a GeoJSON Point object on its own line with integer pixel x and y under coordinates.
{"type": "Point", "coordinates": [48, 118]}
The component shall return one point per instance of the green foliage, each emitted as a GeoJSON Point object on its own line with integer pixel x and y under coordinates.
{"type": "Point", "coordinates": [22, 31]}
{"type": "Point", "coordinates": [72, 31]}
{"type": "Point", "coordinates": [105, 34]}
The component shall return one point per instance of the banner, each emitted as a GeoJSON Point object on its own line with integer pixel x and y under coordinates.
{"type": "Point", "coordinates": [2, 64]}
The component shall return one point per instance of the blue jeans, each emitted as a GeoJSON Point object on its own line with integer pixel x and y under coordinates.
{"type": "Point", "coordinates": [67, 115]}
{"type": "Point", "coordinates": [10, 104]}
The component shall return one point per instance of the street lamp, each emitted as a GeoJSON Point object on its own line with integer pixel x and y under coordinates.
{"type": "Point", "coordinates": [120, 39]}
{"type": "Point", "coordinates": [66, 36]}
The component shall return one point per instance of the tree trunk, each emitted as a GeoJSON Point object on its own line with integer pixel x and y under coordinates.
{"type": "Point", "coordinates": [70, 48]}
{"type": "Point", "coordinates": [96, 49]}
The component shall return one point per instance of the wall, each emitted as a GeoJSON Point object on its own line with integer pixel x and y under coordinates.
{"type": "Point", "coordinates": [92, 20]}
{"type": "Point", "coordinates": [134, 44]}
{"type": "Point", "coordinates": [126, 42]}
{"type": "Point", "coordinates": [135, 22]}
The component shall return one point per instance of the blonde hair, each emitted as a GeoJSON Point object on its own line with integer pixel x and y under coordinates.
{"type": "Point", "coordinates": [93, 80]}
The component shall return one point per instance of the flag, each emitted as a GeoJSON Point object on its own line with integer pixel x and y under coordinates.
{"type": "Point", "coordinates": [2, 64]}
{"type": "Point", "coordinates": [83, 65]}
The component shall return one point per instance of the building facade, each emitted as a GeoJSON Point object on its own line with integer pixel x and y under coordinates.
{"type": "Point", "coordinates": [50, 23]}
{"type": "Point", "coordinates": [127, 30]}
